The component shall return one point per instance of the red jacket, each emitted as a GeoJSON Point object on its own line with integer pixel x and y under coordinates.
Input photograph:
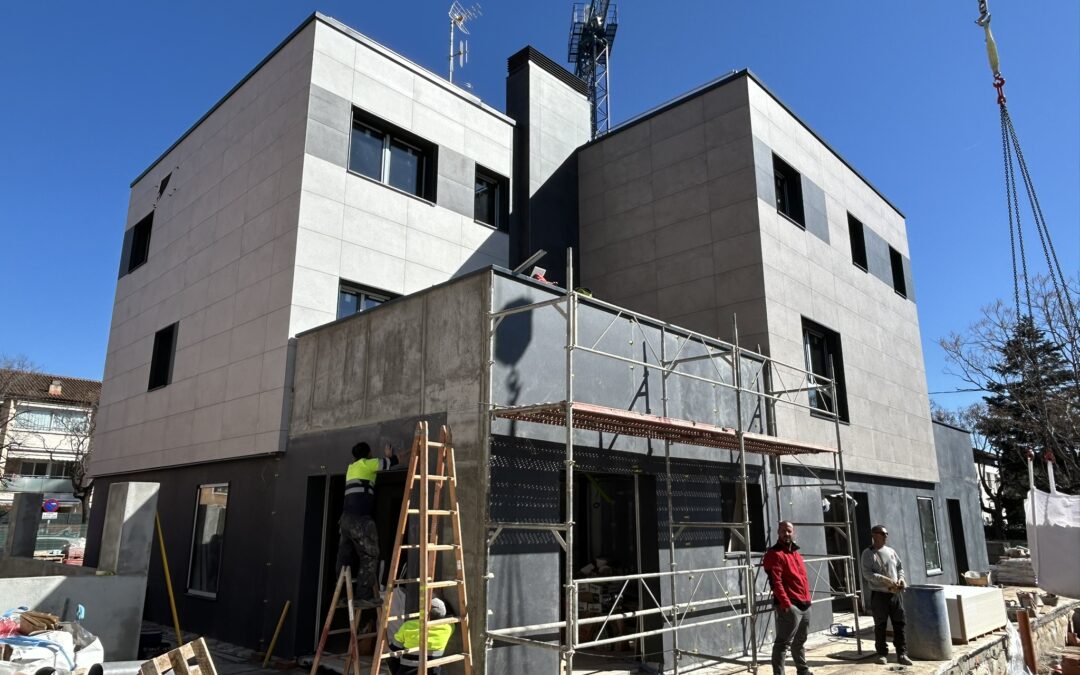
{"type": "Point", "coordinates": [787, 575]}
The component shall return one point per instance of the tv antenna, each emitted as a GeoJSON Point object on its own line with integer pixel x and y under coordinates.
{"type": "Point", "coordinates": [592, 34]}
{"type": "Point", "coordinates": [459, 15]}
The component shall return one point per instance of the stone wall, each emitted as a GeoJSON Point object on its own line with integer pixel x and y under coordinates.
{"type": "Point", "coordinates": [1048, 634]}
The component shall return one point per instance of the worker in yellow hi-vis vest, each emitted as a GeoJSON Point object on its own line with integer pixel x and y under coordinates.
{"type": "Point", "coordinates": [358, 545]}
{"type": "Point", "coordinates": [408, 637]}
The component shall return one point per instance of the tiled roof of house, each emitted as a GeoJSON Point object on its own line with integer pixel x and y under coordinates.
{"type": "Point", "coordinates": [40, 387]}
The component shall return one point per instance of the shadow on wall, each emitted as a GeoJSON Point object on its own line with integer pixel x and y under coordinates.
{"type": "Point", "coordinates": [114, 598]}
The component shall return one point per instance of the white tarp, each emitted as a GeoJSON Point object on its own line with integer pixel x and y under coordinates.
{"type": "Point", "coordinates": [1054, 539]}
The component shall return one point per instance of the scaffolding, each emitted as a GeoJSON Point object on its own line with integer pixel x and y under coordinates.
{"type": "Point", "coordinates": [749, 606]}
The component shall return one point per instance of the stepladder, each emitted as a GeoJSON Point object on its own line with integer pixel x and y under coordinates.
{"type": "Point", "coordinates": [355, 612]}
{"type": "Point", "coordinates": [192, 658]}
{"type": "Point", "coordinates": [429, 507]}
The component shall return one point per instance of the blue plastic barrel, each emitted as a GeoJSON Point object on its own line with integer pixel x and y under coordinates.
{"type": "Point", "coordinates": [928, 636]}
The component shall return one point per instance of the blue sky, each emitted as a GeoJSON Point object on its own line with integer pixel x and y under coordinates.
{"type": "Point", "coordinates": [94, 92]}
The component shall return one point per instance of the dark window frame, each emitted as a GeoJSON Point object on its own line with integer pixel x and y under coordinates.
{"type": "Point", "coordinates": [857, 237]}
{"type": "Point", "coordinates": [214, 488]}
{"type": "Point", "coordinates": [392, 136]}
{"type": "Point", "coordinates": [136, 249]}
{"type": "Point", "coordinates": [163, 357]}
{"type": "Point", "coordinates": [896, 262]}
{"type": "Point", "coordinates": [819, 398]}
{"type": "Point", "coordinates": [789, 198]}
{"type": "Point", "coordinates": [348, 287]}
{"type": "Point", "coordinates": [502, 198]}
{"type": "Point", "coordinates": [931, 570]}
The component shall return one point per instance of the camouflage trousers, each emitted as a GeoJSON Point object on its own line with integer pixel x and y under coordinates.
{"type": "Point", "coordinates": [358, 548]}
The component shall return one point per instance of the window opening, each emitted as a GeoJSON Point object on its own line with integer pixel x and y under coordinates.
{"type": "Point", "coordinates": [136, 249]}
{"type": "Point", "coordinates": [928, 525]}
{"type": "Point", "coordinates": [822, 348]}
{"type": "Point", "coordinates": [858, 242]}
{"type": "Point", "coordinates": [490, 195]}
{"type": "Point", "coordinates": [204, 572]}
{"type": "Point", "coordinates": [161, 360]}
{"type": "Point", "coordinates": [353, 299]}
{"type": "Point", "coordinates": [788, 191]}
{"type": "Point", "coordinates": [392, 156]}
{"type": "Point", "coordinates": [897, 263]}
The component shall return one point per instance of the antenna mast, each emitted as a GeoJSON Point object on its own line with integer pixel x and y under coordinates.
{"type": "Point", "coordinates": [592, 34]}
{"type": "Point", "coordinates": [458, 16]}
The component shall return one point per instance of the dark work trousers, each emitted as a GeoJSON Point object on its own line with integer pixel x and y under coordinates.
{"type": "Point", "coordinates": [791, 629]}
{"type": "Point", "coordinates": [358, 547]}
{"type": "Point", "coordinates": [888, 607]}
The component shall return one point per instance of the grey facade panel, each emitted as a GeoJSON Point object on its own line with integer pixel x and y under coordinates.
{"type": "Point", "coordinates": [763, 171]}
{"type": "Point", "coordinates": [457, 176]}
{"type": "Point", "coordinates": [330, 109]}
{"type": "Point", "coordinates": [909, 279]}
{"type": "Point", "coordinates": [814, 210]}
{"type": "Point", "coordinates": [328, 144]}
{"type": "Point", "coordinates": [877, 256]}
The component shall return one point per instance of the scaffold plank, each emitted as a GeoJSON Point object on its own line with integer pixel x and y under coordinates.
{"type": "Point", "coordinates": [590, 417]}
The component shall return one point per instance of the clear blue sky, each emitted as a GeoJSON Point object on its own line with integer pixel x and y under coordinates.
{"type": "Point", "coordinates": [94, 92]}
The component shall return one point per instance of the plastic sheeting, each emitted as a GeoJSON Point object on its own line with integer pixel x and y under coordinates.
{"type": "Point", "coordinates": [1054, 539]}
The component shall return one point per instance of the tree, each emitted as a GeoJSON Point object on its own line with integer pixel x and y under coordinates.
{"type": "Point", "coordinates": [1030, 370]}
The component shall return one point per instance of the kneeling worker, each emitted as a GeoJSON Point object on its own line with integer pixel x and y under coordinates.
{"type": "Point", "coordinates": [408, 637]}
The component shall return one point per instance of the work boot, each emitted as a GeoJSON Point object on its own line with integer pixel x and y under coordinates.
{"type": "Point", "coordinates": [882, 660]}
{"type": "Point", "coordinates": [903, 660]}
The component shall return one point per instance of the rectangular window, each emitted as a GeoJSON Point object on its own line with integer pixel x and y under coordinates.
{"type": "Point", "coordinates": [136, 249]}
{"type": "Point", "coordinates": [822, 352]}
{"type": "Point", "coordinates": [490, 204]}
{"type": "Point", "coordinates": [161, 360]}
{"type": "Point", "coordinates": [353, 299]}
{"type": "Point", "coordinates": [788, 191]}
{"type": "Point", "coordinates": [858, 242]}
{"type": "Point", "coordinates": [928, 526]}
{"type": "Point", "coordinates": [897, 263]}
{"type": "Point", "coordinates": [206, 542]}
{"type": "Point", "coordinates": [392, 156]}
{"type": "Point", "coordinates": [33, 419]}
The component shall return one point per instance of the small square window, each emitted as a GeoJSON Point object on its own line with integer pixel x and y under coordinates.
{"type": "Point", "coordinates": [858, 242]}
{"type": "Point", "coordinates": [490, 203]}
{"type": "Point", "coordinates": [353, 299]}
{"type": "Point", "coordinates": [392, 156]}
{"type": "Point", "coordinates": [823, 357]}
{"type": "Point", "coordinates": [204, 572]}
{"type": "Point", "coordinates": [896, 261]}
{"type": "Point", "coordinates": [136, 249]}
{"type": "Point", "coordinates": [161, 359]}
{"type": "Point", "coordinates": [928, 526]}
{"type": "Point", "coordinates": [789, 199]}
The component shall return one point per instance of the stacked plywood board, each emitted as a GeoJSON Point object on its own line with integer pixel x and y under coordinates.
{"type": "Point", "coordinates": [1013, 572]}
{"type": "Point", "coordinates": [974, 611]}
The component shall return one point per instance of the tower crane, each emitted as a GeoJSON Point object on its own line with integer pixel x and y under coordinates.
{"type": "Point", "coordinates": [592, 34]}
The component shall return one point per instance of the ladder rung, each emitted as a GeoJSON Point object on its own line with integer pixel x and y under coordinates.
{"type": "Point", "coordinates": [431, 512]}
{"type": "Point", "coordinates": [435, 476]}
{"type": "Point", "coordinates": [431, 584]}
{"type": "Point", "coordinates": [445, 622]}
{"type": "Point", "coordinates": [435, 444]}
{"type": "Point", "coordinates": [453, 658]}
{"type": "Point", "coordinates": [432, 547]}
{"type": "Point", "coordinates": [339, 631]}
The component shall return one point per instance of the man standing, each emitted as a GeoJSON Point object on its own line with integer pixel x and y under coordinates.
{"type": "Point", "coordinates": [791, 597]}
{"type": "Point", "coordinates": [358, 545]}
{"type": "Point", "coordinates": [884, 576]}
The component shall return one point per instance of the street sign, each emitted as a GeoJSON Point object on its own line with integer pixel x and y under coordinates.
{"type": "Point", "coordinates": [50, 515]}
{"type": "Point", "coordinates": [50, 506]}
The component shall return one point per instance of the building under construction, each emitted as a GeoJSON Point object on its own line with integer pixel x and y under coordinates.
{"type": "Point", "coordinates": [323, 259]}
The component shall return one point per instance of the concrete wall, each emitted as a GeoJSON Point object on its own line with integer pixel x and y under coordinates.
{"type": "Point", "coordinates": [808, 275]}
{"type": "Point", "coordinates": [553, 119]}
{"type": "Point", "coordinates": [356, 229]}
{"type": "Point", "coordinates": [960, 481]}
{"type": "Point", "coordinates": [220, 264]}
{"type": "Point", "coordinates": [679, 220]}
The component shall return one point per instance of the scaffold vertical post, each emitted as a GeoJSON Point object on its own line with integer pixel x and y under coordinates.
{"type": "Point", "coordinates": [486, 410]}
{"type": "Point", "coordinates": [672, 565]}
{"type": "Point", "coordinates": [568, 568]}
{"type": "Point", "coordinates": [838, 465]}
{"type": "Point", "coordinates": [748, 571]}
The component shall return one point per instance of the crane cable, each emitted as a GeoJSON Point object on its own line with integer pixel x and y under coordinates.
{"type": "Point", "coordinates": [1014, 161]}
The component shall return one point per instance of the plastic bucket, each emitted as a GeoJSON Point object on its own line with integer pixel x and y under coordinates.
{"type": "Point", "coordinates": [928, 636]}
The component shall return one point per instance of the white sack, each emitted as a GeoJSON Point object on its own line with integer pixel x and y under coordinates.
{"type": "Point", "coordinates": [1054, 540]}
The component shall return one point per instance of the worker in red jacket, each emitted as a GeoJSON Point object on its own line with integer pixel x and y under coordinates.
{"type": "Point", "coordinates": [791, 597]}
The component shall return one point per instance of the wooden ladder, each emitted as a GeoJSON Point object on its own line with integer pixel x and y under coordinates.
{"type": "Point", "coordinates": [428, 549]}
{"type": "Point", "coordinates": [351, 658]}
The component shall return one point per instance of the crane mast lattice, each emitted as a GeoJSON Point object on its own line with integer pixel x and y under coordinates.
{"type": "Point", "coordinates": [592, 34]}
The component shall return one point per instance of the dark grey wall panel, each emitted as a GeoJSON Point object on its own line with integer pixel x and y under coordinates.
{"type": "Point", "coordinates": [330, 109]}
{"type": "Point", "coordinates": [326, 143]}
{"type": "Point", "coordinates": [909, 280]}
{"type": "Point", "coordinates": [457, 178]}
{"type": "Point", "coordinates": [877, 256]}
{"type": "Point", "coordinates": [763, 171]}
{"type": "Point", "coordinates": [814, 209]}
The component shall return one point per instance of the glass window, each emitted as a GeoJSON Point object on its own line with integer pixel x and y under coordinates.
{"type": "Point", "coordinates": [33, 419]}
{"type": "Point", "coordinates": [822, 352]}
{"type": "Point", "coordinates": [365, 155]}
{"type": "Point", "coordinates": [353, 299]}
{"type": "Point", "coordinates": [897, 263]}
{"type": "Point", "coordinates": [161, 358]}
{"type": "Point", "coordinates": [406, 168]}
{"type": "Point", "coordinates": [486, 209]}
{"type": "Point", "coordinates": [858, 242]}
{"type": "Point", "coordinates": [928, 525]}
{"type": "Point", "coordinates": [206, 541]}
{"type": "Point", "coordinates": [788, 185]}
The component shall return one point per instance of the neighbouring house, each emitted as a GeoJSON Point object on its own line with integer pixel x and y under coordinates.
{"type": "Point", "coordinates": [46, 425]}
{"type": "Point", "coordinates": [323, 258]}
